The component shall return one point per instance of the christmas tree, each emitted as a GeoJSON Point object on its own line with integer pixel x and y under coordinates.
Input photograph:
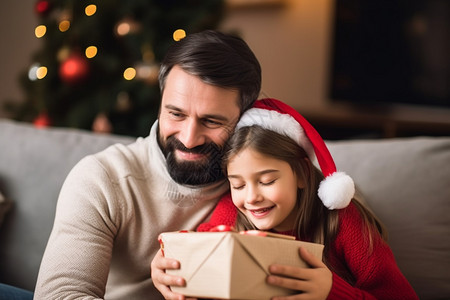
{"type": "Point", "coordinates": [99, 62]}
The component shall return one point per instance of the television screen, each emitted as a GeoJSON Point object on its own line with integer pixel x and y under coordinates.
{"type": "Point", "coordinates": [391, 51]}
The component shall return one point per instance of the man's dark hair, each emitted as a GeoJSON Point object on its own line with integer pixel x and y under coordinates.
{"type": "Point", "coordinates": [218, 59]}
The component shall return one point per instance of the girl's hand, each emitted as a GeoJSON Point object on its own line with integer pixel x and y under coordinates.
{"type": "Point", "coordinates": [162, 281]}
{"type": "Point", "coordinates": [313, 283]}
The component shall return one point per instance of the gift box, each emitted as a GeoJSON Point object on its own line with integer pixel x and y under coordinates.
{"type": "Point", "coordinates": [231, 265]}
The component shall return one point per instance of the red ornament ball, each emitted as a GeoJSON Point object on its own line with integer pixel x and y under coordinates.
{"type": "Point", "coordinates": [74, 69]}
{"type": "Point", "coordinates": [42, 7]}
{"type": "Point", "coordinates": [42, 121]}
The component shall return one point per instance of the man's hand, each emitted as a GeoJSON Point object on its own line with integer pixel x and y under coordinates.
{"type": "Point", "coordinates": [314, 283]}
{"type": "Point", "coordinates": [162, 281]}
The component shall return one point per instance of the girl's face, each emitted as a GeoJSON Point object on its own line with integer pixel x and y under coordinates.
{"type": "Point", "coordinates": [264, 189]}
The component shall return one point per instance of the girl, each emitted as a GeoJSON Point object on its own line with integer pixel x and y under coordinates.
{"type": "Point", "coordinates": [276, 187]}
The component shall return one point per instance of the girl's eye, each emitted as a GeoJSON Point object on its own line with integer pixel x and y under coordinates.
{"type": "Point", "coordinates": [237, 187]}
{"type": "Point", "coordinates": [268, 182]}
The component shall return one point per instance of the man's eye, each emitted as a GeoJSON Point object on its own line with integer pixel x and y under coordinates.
{"type": "Point", "coordinates": [211, 123]}
{"type": "Point", "coordinates": [176, 114]}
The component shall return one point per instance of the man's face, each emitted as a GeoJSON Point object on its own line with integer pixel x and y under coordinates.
{"type": "Point", "coordinates": [195, 121]}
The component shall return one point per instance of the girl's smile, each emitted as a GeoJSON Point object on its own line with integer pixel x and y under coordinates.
{"type": "Point", "coordinates": [261, 212]}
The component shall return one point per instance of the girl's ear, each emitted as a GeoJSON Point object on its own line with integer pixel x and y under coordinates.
{"type": "Point", "coordinates": [300, 183]}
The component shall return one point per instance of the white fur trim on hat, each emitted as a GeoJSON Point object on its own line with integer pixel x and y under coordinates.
{"type": "Point", "coordinates": [336, 190]}
{"type": "Point", "coordinates": [283, 124]}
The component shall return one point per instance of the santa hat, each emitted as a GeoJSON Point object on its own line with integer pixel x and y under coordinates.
{"type": "Point", "coordinates": [337, 189]}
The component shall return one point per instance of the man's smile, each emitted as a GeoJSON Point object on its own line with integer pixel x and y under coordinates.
{"type": "Point", "coordinates": [191, 156]}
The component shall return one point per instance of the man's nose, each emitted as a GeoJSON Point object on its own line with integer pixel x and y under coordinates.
{"type": "Point", "coordinates": [192, 135]}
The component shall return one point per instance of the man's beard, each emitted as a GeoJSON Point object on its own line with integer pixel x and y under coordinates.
{"type": "Point", "coordinates": [193, 173]}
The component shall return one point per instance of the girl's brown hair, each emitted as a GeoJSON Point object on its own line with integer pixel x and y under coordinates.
{"type": "Point", "coordinates": [314, 222]}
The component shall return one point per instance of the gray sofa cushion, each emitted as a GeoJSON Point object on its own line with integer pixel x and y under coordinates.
{"type": "Point", "coordinates": [406, 183]}
{"type": "Point", "coordinates": [33, 165]}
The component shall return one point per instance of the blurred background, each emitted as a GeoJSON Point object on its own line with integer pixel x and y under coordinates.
{"type": "Point", "coordinates": [354, 69]}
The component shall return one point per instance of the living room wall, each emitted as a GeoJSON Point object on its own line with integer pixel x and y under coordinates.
{"type": "Point", "coordinates": [292, 40]}
{"type": "Point", "coordinates": [17, 23]}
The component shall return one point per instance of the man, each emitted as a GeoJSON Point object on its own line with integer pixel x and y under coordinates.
{"type": "Point", "coordinates": [114, 204]}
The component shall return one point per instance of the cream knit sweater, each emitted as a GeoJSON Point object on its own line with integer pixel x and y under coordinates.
{"type": "Point", "coordinates": [110, 211]}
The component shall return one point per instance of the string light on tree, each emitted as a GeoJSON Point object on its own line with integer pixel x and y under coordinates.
{"type": "Point", "coordinates": [91, 51]}
{"type": "Point", "coordinates": [41, 72]}
{"type": "Point", "coordinates": [36, 72]}
{"type": "Point", "coordinates": [32, 72]}
{"type": "Point", "coordinates": [90, 10]}
{"type": "Point", "coordinates": [64, 20]}
{"type": "Point", "coordinates": [147, 72]}
{"type": "Point", "coordinates": [64, 25]}
{"type": "Point", "coordinates": [179, 34]}
{"type": "Point", "coordinates": [40, 31]}
{"type": "Point", "coordinates": [129, 73]}
{"type": "Point", "coordinates": [127, 26]}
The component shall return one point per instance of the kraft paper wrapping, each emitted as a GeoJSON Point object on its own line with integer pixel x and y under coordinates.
{"type": "Point", "coordinates": [230, 265]}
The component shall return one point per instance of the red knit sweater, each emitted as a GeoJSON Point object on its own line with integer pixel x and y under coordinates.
{"type": "Point", "coordinates": [371, 276]}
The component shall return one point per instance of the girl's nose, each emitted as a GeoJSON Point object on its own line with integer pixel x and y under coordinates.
{"type": "Point", "coordinates": [191, 135]}
{"type": "Point", "coordinates": [253, 195]}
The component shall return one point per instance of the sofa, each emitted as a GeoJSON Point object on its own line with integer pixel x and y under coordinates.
{"type": "Point", "coordinates": [405, 181]}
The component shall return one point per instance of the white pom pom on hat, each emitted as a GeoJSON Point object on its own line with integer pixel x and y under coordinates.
{"type": "Point", "coordinates": [337, 189]}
